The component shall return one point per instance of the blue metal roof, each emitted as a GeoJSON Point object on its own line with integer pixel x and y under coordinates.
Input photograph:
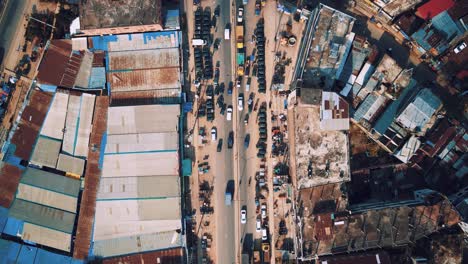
{"type": "Point", "coordinates": [395, 107]}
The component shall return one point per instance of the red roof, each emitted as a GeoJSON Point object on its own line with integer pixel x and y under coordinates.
{"type": "Point", "coordinates": [433, 8]}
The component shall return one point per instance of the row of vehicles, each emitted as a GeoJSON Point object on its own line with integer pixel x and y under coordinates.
{"type": "Point", "coordinates": [263, 131]}
{"type": "Point", "coordinates": [260, 41]}
{"type": "Point", "coordinates": [201, 41]}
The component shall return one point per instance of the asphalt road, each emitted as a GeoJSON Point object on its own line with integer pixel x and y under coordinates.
{"type": "Point", "coordinates": [11, 16]}
{"type": "Point", "coordinates": [224, 171]}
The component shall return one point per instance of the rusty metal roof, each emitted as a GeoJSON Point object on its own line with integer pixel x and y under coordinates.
{"type": "Point", "coordinates": [60, 64]}
{"type": "Point", "coordinates": [169, 256]}
{"type": "Point", "coordinates": [92, 174]}
{"type": "Point", "coordinates": [9, 177]}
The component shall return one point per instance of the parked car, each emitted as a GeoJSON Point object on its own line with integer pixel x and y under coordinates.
{"type": "Point", "coordinates": [258, 225]}
{"type": "Point", "coordinates": [231, 140]}
{"type": "Point", "coordinates": [459, 48]}
{"type": "Point", "coordinates": [264, 235]}
{"type": "Point", "coordinates": [229, 113]}
{"type": "Point", "coordinates": [240, 15]}
{"type": "Point", "coordinates": [243, 216]}
{"type": "Point", "coordinates": [214, 134]}
{"type": "Point", "coordinates": [263, 211]}
{"type": "Point", "coordinates": [240, 102]}
{"type": "Point", "coordinates": [220, 145]}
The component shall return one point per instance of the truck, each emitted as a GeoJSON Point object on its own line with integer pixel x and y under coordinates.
{"type": "Point", "coordinates": [240, 62]}
{"type": "Point", "coordinates": [229, 192]}
{"type": "Point", "coordinates": [240, 36]}
{"type": "Point", "coordinates": [227, 32]}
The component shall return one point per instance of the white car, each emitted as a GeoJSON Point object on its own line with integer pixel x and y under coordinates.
{"type": "Point", "coordinates": [459, 48]}
{"type": "Point", "coordinates": [240, 102]}
{"type": "Point", "coordinates": [264, 234]}
{"type": "Point", "coordinates": [243, 216]}
{"type": "Point", "coordinates": [240, 15]}
{"type": "Point", "coordinates": [258, 225]}
{"type": "Point", "coordinates": [229, 113]}
{"type": "Point", "coordinates": [263, 210]}
{"type": "Point", "coordinates": [214, 134]}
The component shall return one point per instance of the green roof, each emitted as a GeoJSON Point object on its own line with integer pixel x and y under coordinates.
{"type": "Point", "coordinates": [42, 215]}
{"type": "Point", "coordinates": [51, 182]}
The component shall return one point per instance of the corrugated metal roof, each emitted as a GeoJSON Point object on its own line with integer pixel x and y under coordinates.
{"type": "Point", "coordinates": [92, 174]}
{"type": "Point", "coordinates": [139, 187]}
{"type": "Point", "coordinates": [168, 256]}
{"type": "Point", "coordinates": [98, 78]}
{"type": "Point", "coordinates": [391, 111]}
{"type": "Point", "coordinates": [47, 197]}
{"type": "Point", "coordinates": [144, 59]}
{"type": "Point", "coordinates": [150, 79]}
{"type": "Point", "coordinates": [141, 164]}
{"type": "Point", "coordinates": [71, 164]}
{"type": "Point", "coordinates": [46, 152]}
{"type": "Point", "coordinates": [138, 243]}
{"type": "Point", "coordinates": [9, 178]}
{"type": "Point", "coordinates": [54, 123]}
{"type": "Point", "coordinates": [433, 8]}
{"type": "Point", "coordinates": [142, 142]}
{"type": "Point", "coordinates": [143, 119]}
{"type": "Point", "coordinates": [50, 181]}
{"type": "Point", "coordinates": [43, 215]}
{"type": "Point", "coordinates": [417, 113]}
{"type": "Point", "coordinates": [47, 237]}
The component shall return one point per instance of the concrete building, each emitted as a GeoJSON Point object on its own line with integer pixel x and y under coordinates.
{"type": "Point", "coordinates": [385, 11]}
{"type": "Point", "coordinates": [138, 206]}
{"type": "Point", "coordinates": [326, 46]}
{"type": "Point", "coordinates": [107, 17]}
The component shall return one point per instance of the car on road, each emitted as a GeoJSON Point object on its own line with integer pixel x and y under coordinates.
{"type": "Point", "coordinates": [240, 15]}
{"type": "Point", "coordinates": [229, 113]}
{"type": "Point", "coordinates": [230, 87]}
{"type": "Point", "coordinates": [263, 211]}
{"type": "Point", "coordinates": [459, 48]}
{"type": "Point", "coordinates": [214, 134]}
{"type": "Point", "coordinates": [240, 102]}
{"type": "Point", "coordinates": [247, 141]}
{"type": "Point", "coordinates": [243, 216]}
{"type": "Point", "coordinates": [220, 145]}
{"type": "Point", "coordinates": [247, 84]}
{"type": "Point", "coordinates": [258, 225]}
{"type": "Point", "coordinates": [231, 140]}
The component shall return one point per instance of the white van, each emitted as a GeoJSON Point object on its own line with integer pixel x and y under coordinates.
{"type": "Point", "coordinates": [227, 33]}
{"type": "Point", "coordinates": [198, 42]}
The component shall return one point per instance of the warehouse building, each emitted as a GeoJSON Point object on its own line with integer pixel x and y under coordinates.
{"type": "Point", "coordinates": [64, 137]}
{"type": "Point", "coordinates": [44, 209]}
{"type": "Point", "coordinates": [142, 68]}
{"type": "Point", "coordinates": [138, 206]}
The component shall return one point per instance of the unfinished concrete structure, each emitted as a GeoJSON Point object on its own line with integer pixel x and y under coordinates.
{"type": "Point", "coordinates": [321, 156]}
{"type": "Point", "coordinates": [327, 227]}
{"type": "Point", "coordinates": [106, 17]}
